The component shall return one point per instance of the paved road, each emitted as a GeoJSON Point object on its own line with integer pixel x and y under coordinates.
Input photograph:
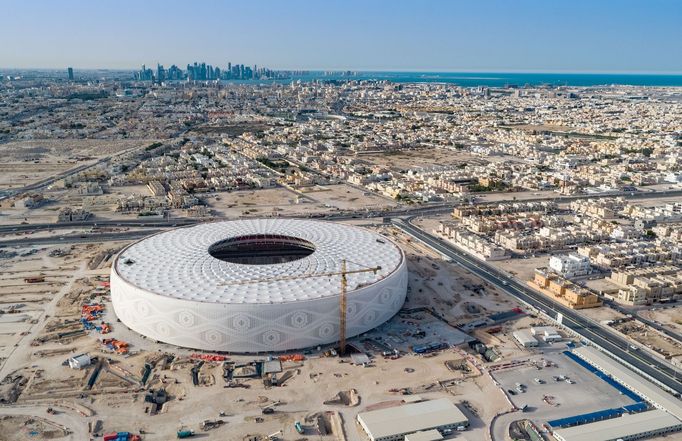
{"type": "Point", "coordinates": [47, 181]}
{"type": "Point", "coordinates": [173, 222]}
{"type": "Point", "coordinates": [590, 330]}
{"type": "Point", "coordinates": [432, 208]}
{"type": "Point", "coordinates": [79, 238]}
{"type": "Point", "coordinates": [141, 222]}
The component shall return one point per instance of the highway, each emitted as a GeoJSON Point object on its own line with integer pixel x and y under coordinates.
{"type": "Point", "coordinates": [179, 221]}
{"type": "Point", "coordinates": [139, 222]}
{"type": "Point", "coordinates": [432, 208]}
{"type": "Point", "coordinates": [77, 238]}
{"type": "Point", "coordinates": [572, 319]}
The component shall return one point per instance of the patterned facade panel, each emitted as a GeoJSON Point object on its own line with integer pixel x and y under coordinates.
{"type": "Point", "coordinates": [251, 328]}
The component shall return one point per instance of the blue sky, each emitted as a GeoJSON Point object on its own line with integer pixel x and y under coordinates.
{"type": "Point", "coordinates": [427, 35]}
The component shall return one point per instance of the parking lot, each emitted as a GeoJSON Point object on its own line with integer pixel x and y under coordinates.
{"type": "Point", "coordinates": [555, 396]}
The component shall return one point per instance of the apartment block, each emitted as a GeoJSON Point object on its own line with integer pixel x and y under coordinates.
{"type": "Point", "coordinates": [564, 291]}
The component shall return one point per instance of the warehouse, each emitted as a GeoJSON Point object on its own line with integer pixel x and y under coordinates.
{"type": "Point", "coordinates": [427, 435]}
{"type": "Point", "coordinates": [627, 427]}
{"type": "Point", "coordinates": [396, 422]}
{"type": "Point", "coordinates": [525, 338]}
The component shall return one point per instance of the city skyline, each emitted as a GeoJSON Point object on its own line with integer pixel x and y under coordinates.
{"type": "Point", "coordinates": [529, 36]}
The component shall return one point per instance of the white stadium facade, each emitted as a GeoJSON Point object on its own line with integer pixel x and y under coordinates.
{"type": "Point", "coordinates": [257, 285]}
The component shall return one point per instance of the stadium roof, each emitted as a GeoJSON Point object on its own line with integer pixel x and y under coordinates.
{"type": "Point", "coordinates": [177, 263]}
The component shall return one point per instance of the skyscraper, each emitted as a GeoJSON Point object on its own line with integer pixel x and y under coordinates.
{"type": "Point", "coordinates": [70, 71]}
{"type": "Point", "coordinates": [160, 73]}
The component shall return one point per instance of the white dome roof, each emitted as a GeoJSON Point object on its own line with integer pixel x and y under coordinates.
{"type": "Point", "coordinates": [177, 263]}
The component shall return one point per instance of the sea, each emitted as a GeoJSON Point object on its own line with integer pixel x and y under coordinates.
{"type": "Point", "coordinates": [498, 79]}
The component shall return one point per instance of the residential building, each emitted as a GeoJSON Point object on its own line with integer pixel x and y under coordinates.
{"type": "Point", "coordinates": [570, 265]}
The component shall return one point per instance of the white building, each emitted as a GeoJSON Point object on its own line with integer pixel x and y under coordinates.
{"type": "Point", "coordinates": [546, 333]}
{"type": "Point", "coordinates": [524, 337]}
{"type": "Point", "coordinates": [394, 423]}
{"type": "Point", "coordinates": [79, 361]}
{"type": "Point", "coordinates": [427, 435]}
{"type": "Point", "coordinates": [570, 265]}
{"type": "Point", "coordinates": [627, 427]}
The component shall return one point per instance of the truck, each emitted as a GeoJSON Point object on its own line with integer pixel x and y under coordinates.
{"type": "Point", "coordinates": [429, 347]}
{"type": "Point", "coordinates": [120, 436]}
{"type": "Point", "coordinates": [298, 427]}
{"type": "Point", "coordinates": [211, 424]}
{"type": "Point", "coordinates": [185, 433]}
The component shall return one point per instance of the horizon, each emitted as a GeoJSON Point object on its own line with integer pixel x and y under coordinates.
{"type": "Point", "coordinates": [321, 70]}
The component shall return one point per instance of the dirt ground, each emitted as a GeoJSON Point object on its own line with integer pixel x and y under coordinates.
{"type": "Point", "coordinates": [650, 338]}
{"type": "Point", "coordinates": [284, 201]}
{"type": "Point", "coordinates": [405, 160]}
{"type": "Point", "coordinates": [671, 317]}
{"type": "Point", "coordinates": [26, 162]}
{"type": "Point", "coordinates": [30, 350]}
{"type": "Point", "coordinates": [35, 353]}
{"type": "Point", "coordinates": [18, 174]}
{"type": "Point", "coordinates": [24, 428]}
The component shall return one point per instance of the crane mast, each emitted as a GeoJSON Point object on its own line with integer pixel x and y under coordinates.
{"type": "Point", "coordinates": [342, 297]}
{"type": "Point", "coordinates": [342, 309]}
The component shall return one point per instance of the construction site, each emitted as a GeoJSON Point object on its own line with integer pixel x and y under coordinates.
{"type": "Point", "coordinates": [69, 361]}
{"type": "Point", "coordinates": [68, 358]}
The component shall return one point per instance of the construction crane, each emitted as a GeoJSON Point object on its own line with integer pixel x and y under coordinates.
{"type": "Point", "coordinates": [342, 297]}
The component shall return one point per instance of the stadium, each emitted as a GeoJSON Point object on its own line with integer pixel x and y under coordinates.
{"type": "Point", "coordinates": [262, 285]}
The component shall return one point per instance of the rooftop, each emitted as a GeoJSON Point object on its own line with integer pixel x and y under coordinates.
{"type": "Point", "coordinates": [622, 427]}
{"type": "Point", "coordinates": [410, 418]}
{"type": "Point", "coordinates": [427, 435]}
{"type": "Point", "coordinates": [200, 263]}
{"type": "Point", "coordinates": [644, 387]}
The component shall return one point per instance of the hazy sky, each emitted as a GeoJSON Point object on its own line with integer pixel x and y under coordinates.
{"type": "Point", "coordinates": [446, 35]}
